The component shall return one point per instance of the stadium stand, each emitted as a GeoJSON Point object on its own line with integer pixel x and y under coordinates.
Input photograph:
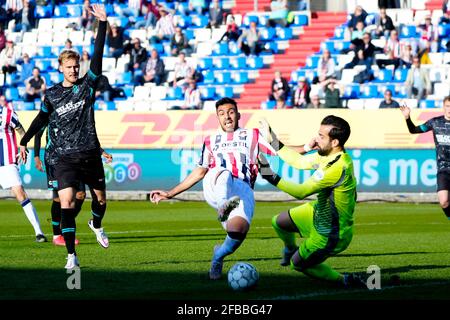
{"type": "Point", "coordinates": [222, 69]}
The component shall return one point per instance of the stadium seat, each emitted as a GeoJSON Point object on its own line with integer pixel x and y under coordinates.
{"type": "Point", "coordinates": [426, 104]}
{"type": "Point", "coordinates": [207, 93]}
{"type": "Point", "coordinates": [355, 104]}
{"type": "Point", "coordinates": [199, 21]}
{"type": "Point", "coordinates": [220, 49]}
{"type": "Point", "coordinates": [205, 63]}
{"type": "Point", "coordinates": [43, 11]}
{"type": "Point", "coordinates": [74, 11]}
{"type": "Point", "coordinates": [221, 63]}
{"type": "Point", "coordinates": [184, 21]}
{"type": "Point", "coordinates": [300, 20]}
{"type": "Point", "coordinates": [238, 62]}
{"type": "Point", "coordinates": [44, 52]}
{"type": "Point", "coordinates": [158, 93]}
{"type": "Point", "coordinates": [223, 91]}
{"type": "Point", "coordinates": [369, 91]}
{"type": "Point", "coordinates": [255, 62]}
{"type": "Point", "coordinates": [408, 32]}
{"type": "Point", "coordinates": [268, 105]}
{"type": "Point", "coordinates": [329, 45]}
{"type": "Point", "coordinates": [248, 19]}
{"type": "Point", "coordinates": [141, 92]}
{"type": "Point", "coordinates": [284, 33]}
{"type": "Point", "coordinates": [384, 75]}
{"type": "Point", "coordinates": [341, 45]}
{"type": "Point", "coordinates": [222, 77]}
{"type": "Point", "coordinates": [12, 94]}
{"type": "Point", "coordinates": [240, 77]}
{"type": "Point", "coordinates": [123, 78]}
{"type": "Point", "coordinates": [233, 48]}
{"type": "Point", "coordinates": [174, 93]}
{"type": "Point", "coordinates": [208, 77]}
{"type": "Point", "coordinates": [27, 106]}
{"type": "Point", "coordinates": [437, 74]}
{"type": "Point", "coordinates": [372, 104]}
{"type": "Point", "coordinates": [267, 34]}
{"type": "Point", "coordinates": [382, 89]}
{"type": "Point", "coordinates": [202, 35]}
{"type": "Point", "coordinates": [43, 64]}
{"type": "Point", "coordinates": [400, 75]}
{"type": "Point", "coordinates": [351, 91]}
{"type": "Point", "coordinates": [312, 61]}
{"type": "Point", "coordinates": [61, 11]}
{"type": "Point", "coordinates": [339, 33]}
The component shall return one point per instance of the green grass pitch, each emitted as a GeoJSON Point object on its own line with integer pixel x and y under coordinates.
{"type": "Point", "coordinates": [164, 252]}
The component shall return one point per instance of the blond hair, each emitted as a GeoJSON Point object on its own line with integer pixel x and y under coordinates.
{"type": "Point", "coordinates": [68, 54]}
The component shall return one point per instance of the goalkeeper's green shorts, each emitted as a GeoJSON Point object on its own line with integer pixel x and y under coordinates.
{"type": "Point", "coordinates": [316, 248]}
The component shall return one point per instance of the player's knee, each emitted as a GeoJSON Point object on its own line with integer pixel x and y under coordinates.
{"type": "Point", "coordinates": [297, 262]}
{"type": "Point", "coordinates": [80, 195]}
{"type": "Point", "coordinates": [237, 235]}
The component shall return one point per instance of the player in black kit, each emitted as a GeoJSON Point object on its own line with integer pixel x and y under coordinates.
{"type": "Point", "coordinates": [441, 133]}
{"type": "Point", "coordinates": [68, 111]}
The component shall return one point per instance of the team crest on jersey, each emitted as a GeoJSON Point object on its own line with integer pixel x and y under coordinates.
{"type": "Point", "coordinates": [243, 135]}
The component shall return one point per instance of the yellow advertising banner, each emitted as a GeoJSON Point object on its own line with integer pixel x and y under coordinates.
{"type": "Point", "coordinates": [371, 129]}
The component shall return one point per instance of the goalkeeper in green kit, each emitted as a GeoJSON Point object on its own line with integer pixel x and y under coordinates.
{"type": "Point", "coordinates": [326, 223]}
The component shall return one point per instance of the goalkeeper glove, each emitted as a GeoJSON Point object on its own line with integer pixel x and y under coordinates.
{"type": "Point", "coordinates": [266, 172]}
{"type": "Point", "coordinates": [269, 135]}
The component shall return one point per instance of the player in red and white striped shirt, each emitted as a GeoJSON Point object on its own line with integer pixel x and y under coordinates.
{"type": "Point", "coordinates": [9, 171]}
{"type": "Point", "coordinates": [228, 167]}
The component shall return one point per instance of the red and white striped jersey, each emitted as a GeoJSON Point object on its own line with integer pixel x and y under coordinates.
{"type": "Point", "coordinates": [8, 144]}
{"type": "Point", "coordinates": [236, 151]}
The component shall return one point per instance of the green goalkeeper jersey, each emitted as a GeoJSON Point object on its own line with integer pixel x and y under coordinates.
{"type": "Point", "coordinates": [335, 184]}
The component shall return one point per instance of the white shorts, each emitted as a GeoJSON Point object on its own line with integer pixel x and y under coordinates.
{"type": "Point", "coordinates": [239, 188]}
{"type": "Point", "coordinates": [9, 176]}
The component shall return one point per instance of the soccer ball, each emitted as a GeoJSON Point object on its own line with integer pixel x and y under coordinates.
{"type": "Point", "coordinates": [242, 276]}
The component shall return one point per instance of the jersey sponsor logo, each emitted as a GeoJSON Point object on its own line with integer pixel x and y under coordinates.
{"type": "Point", "coordinates": [230, 145]}
{"type": "Point", "coordinates": [68, 107]}
{"type": "Point", "coordinates": [443, 139]}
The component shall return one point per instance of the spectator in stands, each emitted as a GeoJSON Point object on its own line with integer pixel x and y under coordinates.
{"type": "Point", "coordinates": [132, 10]}
{"type": "Point", "coordinates": [3, 18]}
{"type": "Point", "coordinates": [182, 70]}
{"type": "Point", "coordinates": [445, 19]}
{"type": "Point", "coordinates": [424, 53]}
{"type": "Point", "coordinates": [278, 14]}
{"type": "Point", "coordinates": [315, 103]}
{"type": "Point", "coordinates": [105, 91]}
{"type": "Point", "coordinates": [301, 5]}
{"type": "Point", "coordinates": [249, 41]}
{"type": "Point", "coordinates": [27, 67]}
{"type": "Point", "coordinates": [179, 43]}
{"type": "Point", "coordinates": [152, 15]}
{"type": "Point", "coordinates": [164, 27]}
{"type": "Point", "coordinates": [365, 74]}
{"type": "Point", "coordinates": [359, 15]}
{"type": "Point", "coordinates": [154, 70]}
{"type": "Point", "coordinates": [326, 67]}
{"type": "Point", "coordinates": [445, 6]}
{"type": "Point", "coordinates": [138, 55]}
{"type": "Point", "coordinates": [392, 4]}
{"type": "Point", "coordinates": [13, 10]}
{"type": "Point", "coordinates": [85, 63]}
{"type": "Point", "coordinates": [215, 14]}
{"type": "Point", "coordinates": [406, 56]}
{"type": "Point", "coordinates": [300, 98]}
{"type": "Point", "coordinates": [196, 7]}
{"type": "Point", "coordinates": [27, 17]}
{"type": "Point", "coordinates": [115, 41]}
{"type": "Point", "coordinates": [384, 25]}
{"type": "Point", "coordinates": [388, 102]}
{"type": "Point", "coordinates": [358, 32]}
{"type": "Point", "coordinates": [192, 99]}
{"type": "Point", "coordinates": [280, 90]}
{"type": "Point", "coordinates": [392, 51]}
{"type": "Point", "coordinates": [68, 45]}
{"type": "Point", "coordinates": [2, 38]}
{"type": "Point", "coordinates": [86, 19]}
{"type": "Point", "coordinates": [35, 86]}
{"type": "Point", "coordinates": [332, 94]}
{"type": "Point", "coordinates": [232, 33]}
{"type": "Point", "coordinates": [429, 33]}
{"type": "Point", "coordinates": [417, 82]}
{"type": "Point", "coordinates": [8, 59]}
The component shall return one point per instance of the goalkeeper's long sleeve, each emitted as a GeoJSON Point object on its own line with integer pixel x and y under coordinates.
{"type": "Point", "coordinates": [298, 161]}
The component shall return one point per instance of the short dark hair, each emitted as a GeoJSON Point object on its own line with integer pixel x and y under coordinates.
{"type": "Point", "coordinates": [340, 130]}
{"type": "Point", "coordinates": [388, 91]}
{"type": "Point", "coordinates": [226, 101]}
{"type": "Point", "coordinates": [447, 98]}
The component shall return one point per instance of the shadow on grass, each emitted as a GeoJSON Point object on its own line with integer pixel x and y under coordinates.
{"type": "Point", "coordinates": [49, 284]}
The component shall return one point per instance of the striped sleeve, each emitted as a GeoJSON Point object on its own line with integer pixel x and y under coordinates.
{"type": "Point", "coordinates": [14, 121]}
{"type": "Point", "coordinates": [206, 155]}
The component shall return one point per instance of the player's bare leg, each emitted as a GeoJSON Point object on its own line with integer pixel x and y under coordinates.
{"type": "Point", "coordinates": [444, 202]}
{"type": "Point", "coordinates": [68, 225]}
{"type": "Point", "coordinates": [98, 211]}
{"type": "Point", "coordinates": [30, 211]}
{"type": "Point", "coordinates": [237, 228]}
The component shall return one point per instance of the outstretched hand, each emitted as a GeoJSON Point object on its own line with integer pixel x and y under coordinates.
{"type": "Point", "coordinates": [268, 134]}
{"type": "Point", "coordinates": [22, 156]}
{"type": "Point", "coordinates": [99, 12]}
{"type": "Point", "coordinates": [158, 195]}
{"type": "Point", "coordinates": [406, 111]}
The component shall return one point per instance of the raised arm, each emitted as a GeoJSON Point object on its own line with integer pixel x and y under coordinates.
{"type": "Point", "coordinates": [406, 111]}
{"type": "Point", "coordinates": [99, 12]}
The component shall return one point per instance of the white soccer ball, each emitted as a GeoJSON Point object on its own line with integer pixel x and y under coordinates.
{"type": "Point", "coordinates": [242, 276]}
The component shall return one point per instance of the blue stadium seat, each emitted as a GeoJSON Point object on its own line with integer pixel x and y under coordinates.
{"type": "Point", "coordinates": [61, 11]}
{"type": "Point", "coordinates": [351, 91]}
{"type": "Point", "coordinates": [255, 62]}
{"type": "Point", "coordinates": [240, 77]}
{"type": "Point", "coordinates": [263, 19]}
{"type": "Point", "coordinates": [220, 49]}
{"type": "Point", "coordinates": [221, 63]}
{"type": "Point", "coordinates": [284, 33]}
{"type": "Point", "coordinates": [382, 89]}
{"type": "Point", "coordinates": [427, 104]}
{"type": "Point", "coordinates": [28, 106]}
{"type": "Point", "coordinates": [128, 90]}
{"type": "Point", "coordinates": [295, 75]}
{"type": "Point", "coordinates": [199, 21]}
{"type": "Point", "coordinates": [238, 62]}
{"type": "Point", "coordinates": [339, 33]}
{"type": "Point", "coordinates": [205, 63]}
{"type": "Point", "coordinates": [369, 91]}
{"type": "Point", "coordinates": [248, 19]}
{"type": "Point", "coordinates": [312, 61]}
{"type": "Point", "coordinates": [300, 20]}
{"type": "Point", "coordinates": [74, 11]}
{"type": "Point", "coordinates": [222, 77]}
{"type": "Point", "coordinates": [56, 77]}
{"type": "Point", "coordinates": [233, 48]}
{"type": "Point", "coordinates": [223, 91]}
{"type": "Point", "coordinates": [208, 77]}
{"type": "Point", "coordinates": [207, 93]}
{"type": "Point", "coordinates": [174, 93]}
{"type": "Point", "coordinates": [444, 31]}
{"type": "Point", "coordinates": [110, 106]}
{"type": "Point", "coordinates": [408, 32]}
{"type": "Point", "coordinates": [43, 64]}
{"type": "Point", "coordinates": [267, 34]}
{"type": "Point", "coordinates": [124, 78]}
{"type": "Point", "coordinates": [400, 75]}
{"type": "Point", "coordinates": [12, 94]}
{"type": "Point", "coordinates": [158, 47]}
{"type": "Point", "coordinates": [340, 45]}
{"type": "Point", "coordinates": [189, 34]}
{"type": "Point", "coordinates": [384, 75]}
{"type": "Point", "coordinates": [44, 51]}
{"type": "Point", "coordinates": [184, 21]}
{"type": "Point", "coordinates": [271, 46]}
{"type": "Point", "coordinates": [400, 90]}
{"type": "Point", "coordinates": [329, 45]}
{"type": "Point", "coordinates": [370, 19]}
{"type": "Point", "coordinates": [268, 105]}
{"type": "Point", "coordinates": [43, 11]}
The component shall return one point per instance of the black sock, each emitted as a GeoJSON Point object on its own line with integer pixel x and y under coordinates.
{"type": "Point", "coordinates": [447, 211]}
{"type": "Point", "coordinates": [98, 211]}
{"type": "Point", "coordinates": [56, 218]}
{"type": "Point", "coordinates": [78, 205]}
{"type": "Point", "coordinates": [68, 228]}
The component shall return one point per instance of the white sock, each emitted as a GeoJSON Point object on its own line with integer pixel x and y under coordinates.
{"type": "Point", "coordinates": [31, 214]}
{"type": "Point", "coordinates": [222, 187]}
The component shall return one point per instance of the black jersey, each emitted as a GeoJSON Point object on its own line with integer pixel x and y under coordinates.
{"type": "Point", "coordinates": [71, 123]}
{"type": "Point", "coordinates": [441, 134]}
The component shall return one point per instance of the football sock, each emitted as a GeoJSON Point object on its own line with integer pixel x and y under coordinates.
{"type": "Point", "coordinates": [232, 241]}
{"type": "Point", "coordinates": [56, 217]}
{"type": "Point", "coordinates": [447, 211]}
{"type": "Point", "coordinates": [31, 214]}
{"type": "Point", "coordinates": [222, 187]}
{"type": "Point", "coordinates": [98, 211]}
{"type": "Point", "coordinates": [322, 271]}
{"type": "Point", "coordinates": [68, 227]}
{"type": "Point", "coordinates": [287, 237]}
{"type": "Point", "coordinates": [78, 205]}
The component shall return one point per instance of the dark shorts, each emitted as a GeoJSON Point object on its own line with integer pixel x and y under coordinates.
{"type": "Point", "coordinates": [52, 182]}
{"type": "Point", "coordinates": [443, 181]}
{"type": "Point", "coordinates": [71, 172]}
